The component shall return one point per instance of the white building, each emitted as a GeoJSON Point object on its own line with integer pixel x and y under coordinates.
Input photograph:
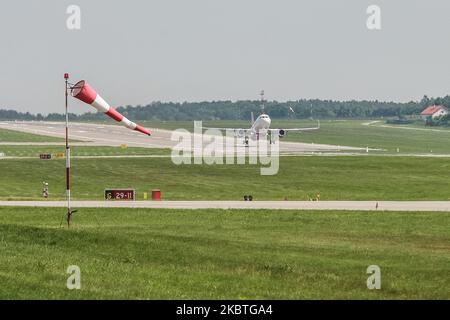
{"type": "Point", "coordinates": [434, 112]}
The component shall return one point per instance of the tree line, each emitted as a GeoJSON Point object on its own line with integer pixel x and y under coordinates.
{"type": "Point", "coordinates": [241, 110]}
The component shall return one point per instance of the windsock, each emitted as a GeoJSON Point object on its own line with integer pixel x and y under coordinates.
{"type": "Point", "coordinates": [84, 92]}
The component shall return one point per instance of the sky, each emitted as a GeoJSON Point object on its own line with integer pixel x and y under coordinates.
{"type": "Point", "coordinates": [135, 52]}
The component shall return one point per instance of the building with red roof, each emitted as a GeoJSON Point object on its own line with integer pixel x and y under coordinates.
{"type": "Point", "coordinates": [434, 112]}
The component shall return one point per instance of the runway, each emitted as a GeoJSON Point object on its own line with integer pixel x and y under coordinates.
{"type": "Point", "coordinates": [422, 206]}
{"type": "Point", "coordinates": [116, 135]}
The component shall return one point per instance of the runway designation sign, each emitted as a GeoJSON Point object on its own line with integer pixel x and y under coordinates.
{"type": "Point", "coordinates": [119, 194]}
{"type": "Point", "coordinates": [45, 156]}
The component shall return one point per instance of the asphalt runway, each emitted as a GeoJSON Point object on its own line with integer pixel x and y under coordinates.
{"type": "Point", "coordinates": [422, 206]}
{"type": "Point", "coordinates": [116, 135]}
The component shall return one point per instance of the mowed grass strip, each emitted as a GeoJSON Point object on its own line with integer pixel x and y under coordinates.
{"type": "Point", "coordinates": [218, 254]}
{"type": "Point", "coordinates": [35, 151]}
{"type": "Point", "coordinates": [17, 136]}
{"type": "Point", "coordinates": [299, 178]}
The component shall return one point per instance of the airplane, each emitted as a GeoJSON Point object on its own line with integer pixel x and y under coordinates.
{"type": "Point", "coordinates": [261, 128]}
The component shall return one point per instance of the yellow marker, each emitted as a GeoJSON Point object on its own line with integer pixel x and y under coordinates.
{"type": "Point", "coordinates": [123, 146]}
{"type": "Point", "coordinates": [60, 155]}
{"type": "Point", "coordinates": [145, 195]}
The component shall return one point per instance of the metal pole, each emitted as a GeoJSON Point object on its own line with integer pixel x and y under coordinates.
{"type": "Point", "coordinates": [69, 212]}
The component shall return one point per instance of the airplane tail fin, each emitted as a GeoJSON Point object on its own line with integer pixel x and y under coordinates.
{"type": "Point", "coordinates": [253, 117]}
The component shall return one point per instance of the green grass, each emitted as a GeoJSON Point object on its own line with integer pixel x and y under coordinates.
{"type": "Point", "coordinates": [347, 133]}
{"type": "Point", "coordinates": [16, 136]}
{"type": "Point", "coordinates": [336, 178]}
{"type": "Point", "coordinates": [214, 254]}
{"type": "Point", "coordinates": [354, 133]}
{"type": "Point", "coordinates": [35, 151]}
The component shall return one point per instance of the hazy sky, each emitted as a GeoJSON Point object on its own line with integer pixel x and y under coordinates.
{"type": "Point", "coordinates": [134, 52]}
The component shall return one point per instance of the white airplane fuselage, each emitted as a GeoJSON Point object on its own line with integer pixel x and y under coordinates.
{"type": "Point", "coordinates": [260, 126]}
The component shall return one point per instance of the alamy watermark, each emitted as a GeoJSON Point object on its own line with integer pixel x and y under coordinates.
{"type": "Point", "coordinates": [374, 280]}
{"type": "Point", "coordinates": [73, 21]}
{"type": "Point", "coordinates": [74, 280]}
{"type": "Point", "coordinates": [212, 147]}
{"type": "Point", "coordinates": [374, 20]}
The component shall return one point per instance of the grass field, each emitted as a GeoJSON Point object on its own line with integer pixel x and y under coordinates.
{"type": "Point", "coordinates": [234, 254]}
{"type": "Point", "coordinates": [336, 178]}
{"type": "Point", "coordinates": [354, 133]}
{"type": "Point", "coordinates": [35, 151]}
{"type": "Point", "coordinates": [213, 254]}
{"type": "Point", "coordinates": [16, 136]}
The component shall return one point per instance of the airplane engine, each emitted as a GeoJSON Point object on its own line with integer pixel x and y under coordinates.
{"type": "Point", "coordinates": [281, 133]}
{"type": "Point", "coordinates": [239, 133]}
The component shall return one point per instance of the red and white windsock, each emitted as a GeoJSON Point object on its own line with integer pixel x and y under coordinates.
{"type": "Point", "coordinates": [83, 91]}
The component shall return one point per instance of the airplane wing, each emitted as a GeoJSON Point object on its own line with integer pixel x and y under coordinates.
{"type": "Point", "coordinates": [297, 129]}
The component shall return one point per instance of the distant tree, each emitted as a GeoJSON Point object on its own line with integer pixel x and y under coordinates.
{"type": "Point", "coordinates": [241, 110]}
